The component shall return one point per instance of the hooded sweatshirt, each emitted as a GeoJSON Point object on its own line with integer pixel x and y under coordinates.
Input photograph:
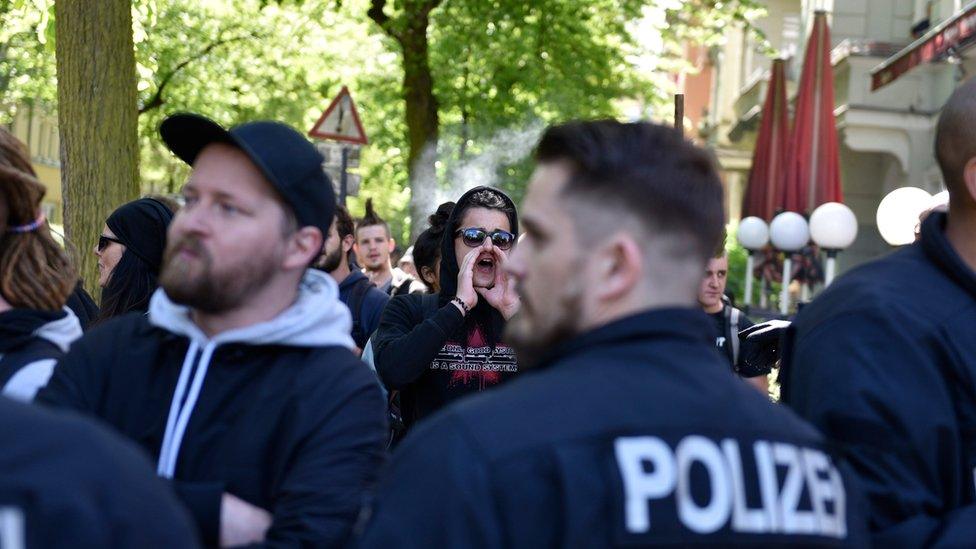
{"type": "Point", "coordinates": [66, 482]}
{"type": "Point", "coordinates": [31, 342]}
{"type": "Point", "coordinates": [433, 354]}
{"type": "Point", "coordinates": [884, 364]}
{"type": "Point", "coordinates": [280, 414]}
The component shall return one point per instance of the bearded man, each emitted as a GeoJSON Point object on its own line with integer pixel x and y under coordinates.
{"type": "Point", "coordinates": [241, 381]}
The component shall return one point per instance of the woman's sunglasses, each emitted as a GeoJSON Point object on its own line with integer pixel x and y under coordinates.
{"type": "Point", "coordinates": [104, 241]}
{"type": "Point", "coordinates": [475, 237]}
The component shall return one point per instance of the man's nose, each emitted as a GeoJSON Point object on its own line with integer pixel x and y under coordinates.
{"type": "Point", "coordinates": [192, 220]}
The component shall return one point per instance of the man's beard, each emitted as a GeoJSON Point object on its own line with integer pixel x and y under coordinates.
{"type": "Point", "coordinates": [331, 260]}
{"type": "Point", "coordinates": [208, 291]}
{"type": "Point", "coordinates": [532, 342]}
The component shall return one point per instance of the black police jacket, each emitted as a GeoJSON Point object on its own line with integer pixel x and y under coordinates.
{"type": "Point", "coordinates": [884, 363]}
{"type": "Point", "coordinates": [635, 433]}
{"type": "Point", "coordinates": [65, 482]}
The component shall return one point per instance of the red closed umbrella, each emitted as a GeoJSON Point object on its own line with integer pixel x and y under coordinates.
{"type": "Point", "coordinates": [769, 156]}
{"type": "Point", "coordinates": [813, 164]}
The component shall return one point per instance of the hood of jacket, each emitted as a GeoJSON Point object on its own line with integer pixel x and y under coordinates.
{"type": "Point", "coordinates": [449, 261]}
{"type": "Point", "coordinates": [316, 319]}
{"type": "Point", "coordinates": [18, 326]}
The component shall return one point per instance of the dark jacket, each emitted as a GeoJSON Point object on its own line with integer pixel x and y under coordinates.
{"type": "Point", "coordinates": [70, 483]}
{"type": "Point", "coordinates": [433, 354]}
{"type": "Point", "coordinates": [83, 306]}
{"type": "Point", "coordinates": [31, 343]}
{"type": "Point", "coordinates": [357, 288]}
{"type": "Point", "coordinates": [884, 363]}
{"type": "Point", "coordinates": [632, 434]}
{"type": "Point", "coordinates": [288, 418]}
{"type": "Point", "coordinates": [733, 322]}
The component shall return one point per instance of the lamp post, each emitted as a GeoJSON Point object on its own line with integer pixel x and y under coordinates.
{"type": "Point", "coordinates": [833, 227]}
{"type": "Point", "coordinates": [789, 233]}
{"type": "Point", "coordinates": [753, 234]}
{"type": "Point", "coordinates": [898, 214]}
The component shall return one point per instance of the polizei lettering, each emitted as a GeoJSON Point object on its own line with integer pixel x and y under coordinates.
{"type": "Point", "coordinates": [709, 486]}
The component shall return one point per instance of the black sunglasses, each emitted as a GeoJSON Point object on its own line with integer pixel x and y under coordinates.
{"type": "Point", "coordinates": [475, 237]}
{"type": "Point", "coordinates": [104, 241]}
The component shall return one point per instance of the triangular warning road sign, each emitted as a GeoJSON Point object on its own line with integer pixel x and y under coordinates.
{"type": "Point", "coordinates": [340, 122]}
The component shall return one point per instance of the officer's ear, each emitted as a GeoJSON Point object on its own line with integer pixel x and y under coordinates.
{"type": "Point", "coordinates": [619, 267]}
{"type": "Point", "coordinates": [969, 178]}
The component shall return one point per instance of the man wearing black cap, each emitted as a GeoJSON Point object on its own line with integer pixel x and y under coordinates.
{"type": "Point", "coordinates": [240, 382]}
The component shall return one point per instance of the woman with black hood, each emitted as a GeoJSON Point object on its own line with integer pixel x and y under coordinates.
{"type": "Point", "coordinates": [436, 348]}
{"type": "Point", "coordinates": [36, 278]}
{"type": "Point", "coordinates": [130, 255]}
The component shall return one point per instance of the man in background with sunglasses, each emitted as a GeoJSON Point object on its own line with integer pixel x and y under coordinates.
{"type": "Point", "coordinates": [438, 348]}
{"type": "Point", "coordinates": [631, 431]}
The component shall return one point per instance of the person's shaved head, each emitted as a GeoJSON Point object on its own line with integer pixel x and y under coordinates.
{"type": "Point", "coordinates": [955, 139]}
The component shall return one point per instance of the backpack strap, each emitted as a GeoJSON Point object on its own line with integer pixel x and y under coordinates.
{"type": "Point", "coordinates": [734, 316]}
{"type": "Point", "coordinates": [356, 297]}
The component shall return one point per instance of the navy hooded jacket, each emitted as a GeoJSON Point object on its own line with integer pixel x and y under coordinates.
{"type": "Point", "coordinates": [280, 414]}
{"type": "Point", "coordinates": [65, 482]}
{"type": "Point", "coordinates": [635, 433]}
{"type": "Point", "coordinates": [884, 363]}
{"type": "Point", "coordinates": [371, 305]}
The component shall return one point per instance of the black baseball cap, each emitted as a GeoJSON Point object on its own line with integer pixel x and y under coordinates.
{"type": "Point", "coordinates": [283, 155]}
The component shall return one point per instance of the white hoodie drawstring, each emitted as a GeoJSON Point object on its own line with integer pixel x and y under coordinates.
{"type": "Point", "coordinates": [179, 416]}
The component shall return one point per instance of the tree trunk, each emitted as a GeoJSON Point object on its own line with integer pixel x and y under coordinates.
{"type": "Point", "coordinates": [422, 125]}
{"type": "Point", "coordinates": [97, 116]}
{"type": "Point", "coordinates": [410, 31]}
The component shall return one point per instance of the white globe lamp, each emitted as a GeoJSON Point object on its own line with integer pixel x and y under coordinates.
{"type": "Point", "coordinates": [898, 214]}
{"type": "Point", "coordinates": [753, 235]}
{"type": "Point", "coordinates": [789, 233]}
{"type": "Point", "coordinates": [833, 227]}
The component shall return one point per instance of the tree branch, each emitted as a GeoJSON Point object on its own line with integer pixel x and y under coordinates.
{"type": "Point", "coordinates": [157, 100]}
{"type": "Point", "coordinates": [376, 13]}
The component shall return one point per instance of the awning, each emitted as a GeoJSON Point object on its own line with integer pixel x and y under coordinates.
{"type": "Point", "coordinates": [958, 30]}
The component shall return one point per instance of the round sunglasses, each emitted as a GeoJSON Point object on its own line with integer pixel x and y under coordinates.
{"type": "Point", "coordinates": [475, 236]}
{"type": "Point", "coordinates": [104, 241]}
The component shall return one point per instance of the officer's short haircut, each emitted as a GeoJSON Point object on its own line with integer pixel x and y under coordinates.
{"type": "Point", "coordinates": [344, 223]}
{"type": "Point", "coordinates": [667, 184]}
{"type": "Point", "coordinates": [955, 138]}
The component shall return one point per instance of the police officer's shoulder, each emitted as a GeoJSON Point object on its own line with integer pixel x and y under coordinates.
{"type": "Point", "coordinates": [904, 287]}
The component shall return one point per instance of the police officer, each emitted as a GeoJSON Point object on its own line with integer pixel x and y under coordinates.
{"type": "Point", "coordinates": [631, 430]}
{"type": "Point", "coordinates": [884, 362]}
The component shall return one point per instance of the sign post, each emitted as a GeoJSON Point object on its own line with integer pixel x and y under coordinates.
{"type": "Point", "coordinates": [342, 135]}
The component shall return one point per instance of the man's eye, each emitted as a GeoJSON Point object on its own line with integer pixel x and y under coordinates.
{"type": "Point", "coordinates": [229, 209]}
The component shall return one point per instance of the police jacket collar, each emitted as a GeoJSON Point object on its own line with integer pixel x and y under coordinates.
{"type": "Point", "coordinates": [940, 251]}
{"type": "Point", "coordinates": [688, 324]}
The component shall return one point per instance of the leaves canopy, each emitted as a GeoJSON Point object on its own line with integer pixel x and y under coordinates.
{"type": "Point", "coordinates": [502, 70]}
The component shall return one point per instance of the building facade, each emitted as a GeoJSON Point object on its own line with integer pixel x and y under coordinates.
{"type": "Point", "coordinates": [38, 129]}
{"type": "Point", "coordinates": [886, 133]}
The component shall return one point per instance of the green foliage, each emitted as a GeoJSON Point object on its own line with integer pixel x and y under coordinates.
{"type": "Point", "coordinates": [737, 273]}
{"type": "Point", "coordinates": [502, 70]}
{"type": "Point", "coordinates": [27, 67]}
